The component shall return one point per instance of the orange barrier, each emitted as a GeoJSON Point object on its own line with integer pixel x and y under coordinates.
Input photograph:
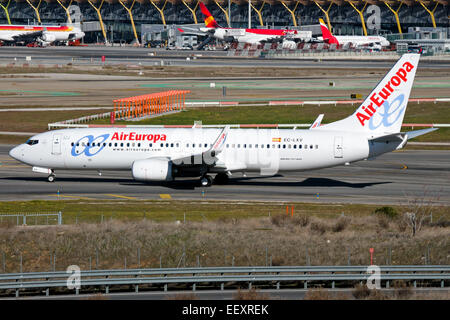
{"type": "Point", "coordinates": [147, 104]}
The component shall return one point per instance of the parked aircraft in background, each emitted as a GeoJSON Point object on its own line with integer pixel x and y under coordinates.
{"type": "Point", "coordinates": [252, 36]}
{"type": "Point", "coordinates": [39, 33]}
{"type": "Point", "coordinates": [370, 42]}
{"type": "Point", "coordinates": [163, 154]}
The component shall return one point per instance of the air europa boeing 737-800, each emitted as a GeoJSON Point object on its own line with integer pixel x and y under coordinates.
{"type": "Point", "coordinates": [163, 154]}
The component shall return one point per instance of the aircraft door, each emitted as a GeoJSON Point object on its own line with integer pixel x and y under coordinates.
{"type": "Point", "coordinates": [56, 144]}
{"type": "Point", "coordinates": [338, 147]}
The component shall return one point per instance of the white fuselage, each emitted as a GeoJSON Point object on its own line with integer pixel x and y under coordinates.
{"type": "Point", "coordinates": [265, 150]}
{"type": "Point", "coordinates": [49, 33]}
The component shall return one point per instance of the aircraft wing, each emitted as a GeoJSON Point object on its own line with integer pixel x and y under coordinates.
{"type": "Point", "coordinates": [190, 30]}
{"type": "Point", "coordinates": [208, 157]}
{"type": "Point", "coordinates": [29, 36]}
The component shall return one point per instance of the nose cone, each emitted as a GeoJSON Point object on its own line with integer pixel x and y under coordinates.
{"type": "Point", "coordinates": [15, 153]}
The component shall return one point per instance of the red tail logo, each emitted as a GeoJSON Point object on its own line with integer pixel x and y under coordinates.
{"type": "Point", "coordinates": [210, 22]}
{"type": "Point", "coordinates": [326, 34]}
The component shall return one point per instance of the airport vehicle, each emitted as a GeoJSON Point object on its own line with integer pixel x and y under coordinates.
{"type": "Point", "coordinates": [359, 42]}
{"type": "Point", "coordinates": [42, 34]}
{"type": "Point", "coordinates": [163, 154]}
{"type": "Point", "coordinates": [252, 36]}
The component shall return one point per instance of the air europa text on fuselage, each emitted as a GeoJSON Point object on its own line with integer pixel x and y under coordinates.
{"type": "Point", "coordinates": [377, 99]}
{"type": "Point", "coordinates": [133, 136]}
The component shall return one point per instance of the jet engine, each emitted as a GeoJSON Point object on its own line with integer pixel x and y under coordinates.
{"type": "Point", "coordinates": [48, 37]}
{"type": "Point", "coordinates": [156, 169]}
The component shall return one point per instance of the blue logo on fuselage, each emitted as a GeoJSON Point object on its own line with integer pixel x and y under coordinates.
{"type": "Point", "coordinates": [90, 146]}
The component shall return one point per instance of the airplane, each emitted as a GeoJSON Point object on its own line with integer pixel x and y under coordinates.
{"type": "Point", "coordinates": [369, 42]}
{"type": "Point", "coordinates": [39, 33]}
{"type": "Point", "coordinates": [165, 154]}
{"type": "Point", "coordinates": [252, 36]}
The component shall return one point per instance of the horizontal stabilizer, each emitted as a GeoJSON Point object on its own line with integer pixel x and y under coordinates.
{"type": "Point", "coordinates": [416, 133]}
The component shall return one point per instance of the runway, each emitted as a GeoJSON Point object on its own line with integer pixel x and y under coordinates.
{"type": "Point", "coordinates": [390, 179]}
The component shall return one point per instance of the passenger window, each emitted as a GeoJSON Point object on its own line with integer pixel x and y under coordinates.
{"type": "Point", "coordinates": [299, 146]}
{"type": "Point", "coordinates": [279, 146]}
{"type": "Point", "coordinates": [110, 144]}
{"type": "Point", "coordinates": [71, 144]}
{"type": "Point", "coordinates": [228, 145]}
{"type": "Point", "coordinates": [311, 146]}
{"type": "Point", "coordinates": [317, 146]}
{"type": "Point", "coordinates": [233, 145]}
{"type": "Point", "coordinates": [295, 146]}
{"type": "Point", "coordinates": [162, 145]}
{"type": "Point", "coordinates": [284, 146]}
{"type": "Point", "coordinates": [128, 144]}
{"type": "Point", "coordinates": [245, 146]}
{"type": "Point", "coordinates": [104, 144]}
{"type": "Point", "coordinates": [121, 144]}
{"type": "Point", "coordinates": [206, 145]}
{"type": "Point", "coordinates": [171, 145]}
{"type": "Point", "coordinates": [150, 145]}
{"type": "Point", "coordinates": [139, 145]}
{"type": "Point", "coordinates": [115, 144]}
{"type": "Point", "coordinates": [167, 145]}
{"type": "Point", "coordinates": [193, 145]}
{"type": "Point", "coordinates": [88, 144]}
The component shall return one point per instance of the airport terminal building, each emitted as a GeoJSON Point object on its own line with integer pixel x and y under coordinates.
{"type": "Point", "coordinates": [122, 19]}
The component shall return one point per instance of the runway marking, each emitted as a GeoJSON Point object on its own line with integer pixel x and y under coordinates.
{"type": "Point", "coordinates": [165, 196]}
{"type": "Point", "coordinates": [76, 197]}
{"type": "Point", "coordinates": [119, 196]}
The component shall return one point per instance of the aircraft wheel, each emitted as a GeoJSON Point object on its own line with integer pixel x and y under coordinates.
{"type": "Point", "coordinates": [206, 181]}
{"type": "Point", "coordinates": [221, 178]}
{"type": "Point", "coordinates": [51, 178]}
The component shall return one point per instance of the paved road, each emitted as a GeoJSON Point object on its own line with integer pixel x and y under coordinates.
{"type": "Point", "coordinates": [114, 55]}
{"type": "Point", "coordinates": [273, 294]}
{"type": "Point", "coordinates": [387, 180]}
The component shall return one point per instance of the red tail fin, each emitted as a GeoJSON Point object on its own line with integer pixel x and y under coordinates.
{"type": "Point", "coordinates": [210, 22]}
{"type": "Point", "coordinates": [326, 34]}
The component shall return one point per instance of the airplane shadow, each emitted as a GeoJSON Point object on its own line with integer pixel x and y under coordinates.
{"type": "Point", "coordinates": [191, 184]}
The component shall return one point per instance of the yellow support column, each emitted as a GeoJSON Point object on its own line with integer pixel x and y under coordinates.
{"type": "Point", "coordinates": [360, 12]}
{"type": "Point", "coordinates": [100, 20]}
{"type": "Point", "coordinates": [325, 12]}
{"type": "Point", "coordinates": [292, 12]}
{"type": "Point", "coordinates": [395, 12]}
{"type": "Point", "coordinates": [36, 9]}
{"type": "Point", "coordinates": [225, 12]}
{"type": "Point", "coordinates": [131, 18]}
{"type": "Point", "coordinates": [431, 12]}
{"type": "Point", "coordinates": [192, 10]}
{"type": "Point", "coordinates": [6, 11]}
{"type": "Point", "coordinates": [161, 11]}
{"type": "Point", "coordinates": [66, 9]}
{"type": "Point", "coordinates": [259, 12]}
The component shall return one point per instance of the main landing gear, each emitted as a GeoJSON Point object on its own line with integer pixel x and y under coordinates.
{"type": "Point", "coordinates": [221, 178]}
{"type": "Point", "coordinates": [206, 180]}
{"type": "Point", "coordinates": [51, 177]}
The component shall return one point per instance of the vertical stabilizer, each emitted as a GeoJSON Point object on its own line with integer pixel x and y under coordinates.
{"type": "Point", "coordinates": [383, 110]}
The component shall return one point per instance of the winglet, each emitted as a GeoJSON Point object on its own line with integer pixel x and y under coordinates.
{"type": "Point", "coordinates": [220, 141]}
{"type": "Point", "coordinates": [317, 122]}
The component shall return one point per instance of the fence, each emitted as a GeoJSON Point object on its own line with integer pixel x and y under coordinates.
{"type": "Point", "coordinates": [154, 103]}
{"type": "Point", "coordinates": [230, 276]}
{"type": "Point", "coordinates": [24, 216]}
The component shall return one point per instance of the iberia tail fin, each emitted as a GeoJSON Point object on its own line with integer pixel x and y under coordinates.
{"type": "Point", "coordinates": [383, 110]}
{"type": "Point", "coordinates": [210, 22]}
{"type": "Point", "coordinates": [326, 34]}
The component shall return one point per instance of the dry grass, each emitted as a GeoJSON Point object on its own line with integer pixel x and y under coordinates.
{"type": "Point", "coordinates": [218, 243]}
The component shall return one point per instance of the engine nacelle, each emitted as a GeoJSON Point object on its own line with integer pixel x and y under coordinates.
{"type": "Point", "coordinates": [48, 37]}
{"type": "Point", "coordinates": [156, 169]}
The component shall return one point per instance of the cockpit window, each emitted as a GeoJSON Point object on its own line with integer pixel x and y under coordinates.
{"type": "Point", "coordinates": [32, 142]}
